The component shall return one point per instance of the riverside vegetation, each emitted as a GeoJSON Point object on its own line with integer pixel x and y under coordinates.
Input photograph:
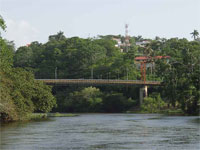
{"type": "Point", "coordinates": [97, 58]}
{"type": "Point", "coordinates": [20, 94]}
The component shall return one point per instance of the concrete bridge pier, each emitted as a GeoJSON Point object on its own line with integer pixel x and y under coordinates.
{"type": "Point", "coordinates": [143, 93]}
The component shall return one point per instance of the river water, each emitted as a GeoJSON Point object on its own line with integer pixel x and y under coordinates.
{"type": "Point", "coordinates": [104, 131]}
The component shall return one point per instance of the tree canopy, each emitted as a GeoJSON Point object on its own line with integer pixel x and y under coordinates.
{"type": "Point", "coordinates": [20, 93]}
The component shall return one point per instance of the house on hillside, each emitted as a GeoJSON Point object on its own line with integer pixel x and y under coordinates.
{"type": "Point", "coordinates": [142, 43]}
{"type": "Point", "coordinates": [118, 40]}
{"type": "Point", "coordinates": [119, 43]}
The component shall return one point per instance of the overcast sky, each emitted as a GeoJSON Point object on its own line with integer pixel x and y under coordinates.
{"type": "Point", "coordinates": [35, 20]}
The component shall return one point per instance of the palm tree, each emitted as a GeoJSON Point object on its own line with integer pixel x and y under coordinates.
{"type": "Point", "coordinates": [195, 34]}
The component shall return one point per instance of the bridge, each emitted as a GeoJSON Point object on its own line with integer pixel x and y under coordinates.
{"type": "Point", "coordinates": [99, 82]}
{"type": "Point", "coordinates": [143, 84]}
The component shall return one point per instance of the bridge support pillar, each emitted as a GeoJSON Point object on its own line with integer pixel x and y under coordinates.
{"type": "Point", "coordinates": [143, 93]}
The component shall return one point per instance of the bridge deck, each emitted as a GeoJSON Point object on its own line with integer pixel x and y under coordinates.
{"type": "Point", "coordinates": [98, 81]}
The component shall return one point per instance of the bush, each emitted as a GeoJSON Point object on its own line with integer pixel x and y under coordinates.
{"type": "Point", "coordinates": [87, 100]}
{"type": "Point", "coordinates": [153, 104]}
{"type": "Point", "coordinates": [91, 99]}
{"type": "Point", "coordinates": [116, 102]}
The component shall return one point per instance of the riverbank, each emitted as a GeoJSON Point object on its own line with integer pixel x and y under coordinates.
{"type": "Point", "coordinates": [42, 116]}
{"type": "Point", "coordinates": [169, 112]}
{"type": "Point", "coordinates": [38, 116]}
{"type": "Point", "coordinates": [61, 115]}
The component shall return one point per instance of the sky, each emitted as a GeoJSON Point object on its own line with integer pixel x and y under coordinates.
{"type": "Point", "coordinates": [35, 20]}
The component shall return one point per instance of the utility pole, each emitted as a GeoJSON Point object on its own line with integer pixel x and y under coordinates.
{"type": "Point", "coordinates": [92, 73]}
{"type": "Point", "coordinates": [56, 73]}
{"type": "Point", "coordinates": [118, 74]}
{"type": "Point", "coordinates": [126, 73]}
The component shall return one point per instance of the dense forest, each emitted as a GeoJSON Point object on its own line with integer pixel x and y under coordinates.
{"type": "Point", "coordinates": [98, 58]}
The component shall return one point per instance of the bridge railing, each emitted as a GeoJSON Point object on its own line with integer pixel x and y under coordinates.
{"type": "Point", "coordinates": [98, 81]}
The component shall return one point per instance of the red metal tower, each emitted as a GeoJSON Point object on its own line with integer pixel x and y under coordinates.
{"type": "Point", "coordinates": [147, 59]}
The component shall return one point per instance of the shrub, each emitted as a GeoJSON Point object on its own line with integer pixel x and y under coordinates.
{"type": "Point", "coordinates": [116, 102]}
{"type": "Point", "coordinates": [87, 100]}
{"type": "Point", "coordinates": [153, 104]}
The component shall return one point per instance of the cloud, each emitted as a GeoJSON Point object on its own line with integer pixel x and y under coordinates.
{"type": "Point", "coordinates": [21, 32]}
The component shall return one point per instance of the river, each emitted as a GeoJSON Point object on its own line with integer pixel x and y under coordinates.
{"type": "Point", "coordinates": [104, 131]}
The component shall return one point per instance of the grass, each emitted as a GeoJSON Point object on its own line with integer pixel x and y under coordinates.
{"type": "Point", "coordinates": [42, 116]}
{"type": "Point", "coordinates": [61, 115]}
{"type": "Point", "coordinates": [36, 116]}
{"type": "Point", "coordinates": [173, 112]}
{"type": "Point", "coordinates": [165, 111]}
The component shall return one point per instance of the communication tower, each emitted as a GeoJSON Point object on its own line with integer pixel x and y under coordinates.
{"type": "Point", "coordinates": [127, 44]}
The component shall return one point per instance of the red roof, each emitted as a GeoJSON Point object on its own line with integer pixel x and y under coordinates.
{"type": "Point", "coordinates": [27, 45]}
{"type": "Point", "coordinates": [148, 57]}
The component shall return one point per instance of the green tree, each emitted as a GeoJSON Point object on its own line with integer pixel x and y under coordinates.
{"type": "Point", "coordinates": [2, 24]}
{"type": "Point", "coordinates": [153, 104]}
{"type": "Point", "coordinates": [58, 37]}
{"type": "Point", "coordinates": [116, 102]}
{"type": "Point", "coordinates": [87, 100]}
{"type": "Point", "coordinates": [180, 75]}
{"type": "Point", "coordinates": [23, 57]}
{"type": "Point", "coordinates": [195, 34]}
{"type": "Point", "coordinates": [20, 94]}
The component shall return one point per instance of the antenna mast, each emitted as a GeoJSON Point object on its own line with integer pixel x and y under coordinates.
{"type": "Point", "coordinates": [127, 44]}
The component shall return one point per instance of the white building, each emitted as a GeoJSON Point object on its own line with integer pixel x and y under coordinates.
{"type": "Point", "coordinates": [142, 43]}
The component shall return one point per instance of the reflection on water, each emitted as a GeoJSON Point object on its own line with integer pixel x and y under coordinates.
{"type": "Point", "coordinates": [104, 131]}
